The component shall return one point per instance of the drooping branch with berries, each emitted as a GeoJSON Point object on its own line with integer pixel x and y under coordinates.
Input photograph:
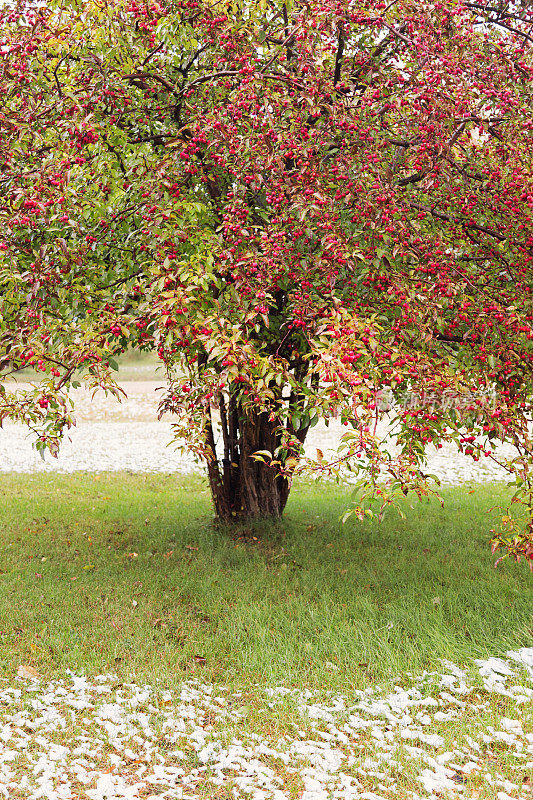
{"type": "Point", "coordinates": [303, 208]}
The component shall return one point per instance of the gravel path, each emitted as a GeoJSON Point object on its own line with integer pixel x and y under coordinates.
{"type": "Point", "coordinates": [112, 436]}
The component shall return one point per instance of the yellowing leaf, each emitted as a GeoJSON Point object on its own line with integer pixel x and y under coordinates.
{"type": "Point", "coordinates": [29, 673]}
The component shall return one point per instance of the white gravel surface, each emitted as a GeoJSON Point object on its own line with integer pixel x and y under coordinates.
{"type": "Point", "coordinates": [144, 447]}
{"type": "Point", "coordinates": [98, 447]}
{"type": "Point", "coordinates": [112, 436]}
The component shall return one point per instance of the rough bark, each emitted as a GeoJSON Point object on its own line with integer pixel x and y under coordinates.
{"type": "Point", "coordinates": [241, 486]}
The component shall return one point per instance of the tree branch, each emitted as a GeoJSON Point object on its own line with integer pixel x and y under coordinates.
{"type": "Point", "coordinates": [464, 223]}
{"type": "Point", "coordinates": [338, 57]}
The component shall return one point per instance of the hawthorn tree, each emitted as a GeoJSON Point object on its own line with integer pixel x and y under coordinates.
{"type": "Point", "coordinates": [307, 209]}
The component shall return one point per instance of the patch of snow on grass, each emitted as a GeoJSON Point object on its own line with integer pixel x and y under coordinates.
{"type": "Point", "coordinates": [459, 734]}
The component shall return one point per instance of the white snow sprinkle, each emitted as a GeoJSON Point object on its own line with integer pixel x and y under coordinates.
{"type": "Point", "coordinates": [82, 738]}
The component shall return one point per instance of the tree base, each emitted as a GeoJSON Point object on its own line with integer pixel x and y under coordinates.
{"type": "Point", "coordinates": [243, 487]}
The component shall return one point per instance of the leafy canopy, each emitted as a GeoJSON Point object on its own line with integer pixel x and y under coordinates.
{"type": "Point", "coordinates": [307, 209]}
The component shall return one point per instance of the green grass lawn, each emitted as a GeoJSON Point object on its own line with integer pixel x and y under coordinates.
{"type": "Point", "coordinates": [132, 366]}
{"type": "Point", "coordinates": [127, 573]}
{"type": "Point", "coordinates": [135, 366]}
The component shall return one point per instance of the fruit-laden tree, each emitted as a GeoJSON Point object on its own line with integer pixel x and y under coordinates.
{"type": "Point", "coordinates": [305, 208]}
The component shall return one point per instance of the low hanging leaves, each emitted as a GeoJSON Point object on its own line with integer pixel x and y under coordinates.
{"type": "Point", "coordinates": [308, 211]}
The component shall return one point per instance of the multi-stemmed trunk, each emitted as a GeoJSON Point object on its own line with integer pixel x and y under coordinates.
{"type": "Point", "coordinates": [243, 486]}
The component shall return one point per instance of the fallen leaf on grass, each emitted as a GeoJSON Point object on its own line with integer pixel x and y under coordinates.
{"type": "Point", "coordinates": [459, 778]}
{"type": "Point", "coordinates": [130, 757]}
{"type": "Point", "coordinates": [27, 672]}
{"type": "Point", "coordinates": [190, 547]}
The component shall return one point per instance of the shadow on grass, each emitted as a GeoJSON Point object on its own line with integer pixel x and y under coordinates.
{"type": "Point", "coordinates": [127, 573]}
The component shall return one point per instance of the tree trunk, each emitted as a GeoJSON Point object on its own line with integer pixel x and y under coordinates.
{"type": "Point", "coordinates": [241, 486]}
